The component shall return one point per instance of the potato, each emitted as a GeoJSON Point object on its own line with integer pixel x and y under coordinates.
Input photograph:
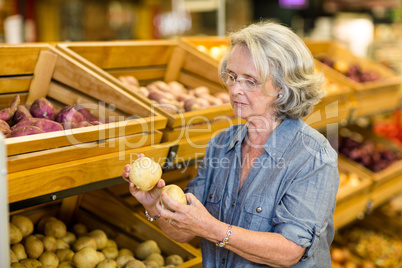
{"type": "Point", "coordinates": [8, 113]}
{"type": "Point", "coordinates": [15, 234]}
{"type": "Point", "coordinates": [61, 244]}
{"type": "Point", "coordinates": [65, 254]}
{"type": "Point", "coordinates": [42, 123]}
{"type": "Point", "coordinates": [66, 264]}
{"type": "Point", "coordinates": [22, 112]}
{"type": "Point", "coordinates": [174, 192]}
{"type": "Point", "coordinates": [24, 131]}
{"type": "Point", "coordinates": [174, 259]}
{"type": "Point", "coordinates": [151, 264]}
{"type": "Point", "coordinates": [123, 259]}
{"type": "Point", "coordinates": [49, 258]}
{"type": "Point", "coordinates": [135, 264]}
{"type": "Point", "coordinates": [101, 256]}
{"type": "Point", "coordinates": [80, 229]}
{"type": "Point", "coordinates": [24, 223]}
{"type": "Point", "coordinates": [84, 241]}
{"type": "Point", "coordinates": [157, 257]}
{"type": "Point", "coordinates": [49, 243]}
{"type": "Point", "coordinates": [55, 228]}
{"type": "Point", "coordinates": [86, 258]}
{"type": "Point", "coordinates": [42, 221]}
{"type": "Point", "coordinates": [19, 251]}
{"type": "Point", "coordinates": [111, 243]}
{"type": "Point", "coordinates": [69, 238]}
{"type": "Point", "coordinates": [110, 252]}
{"type": "Point", "coordinates": [13, 257]}
{"type": "Point", "coordinates": [69, 114]}
{"type": "Point", "coordinates": [4, 127]}
{"type": "Point", "coordinates": [125, 251]}
{"type": "Point", "coordinates": [33, 246]}
{"type": "Point", "coordinates": [100, 238]}
{"type": "Point", "coordinates": [107, 264]}
{"type": "Point", "coordinates": [42, 108]}
{"type": "Point", "coordinates": [31, 263]}
{"type": "Point", "coordinates": [146, 248]}
{"type": "Point", "coordinates": [17, 265]}
{"type": "Point", "coordinates": [145, 173]}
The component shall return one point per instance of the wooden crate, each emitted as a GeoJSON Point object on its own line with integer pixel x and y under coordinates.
{"type": "Point", "coordinates": [103, 210]}
{"type": "Point", "coordinates": [385, 183]}
{"type": "Point", "coordinates": [199, 43]}
{"type": "Point", "coordinates": [370, 97]}
{"type": "Point", "coordinates": [150, 61]}
{"type": "Point", "coordinates": [351, 201]}
{"type": "Point", "coordinates": [38, 70]}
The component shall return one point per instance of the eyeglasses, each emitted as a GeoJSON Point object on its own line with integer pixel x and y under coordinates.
{"type": "Point", "coordinates": [245, 84]}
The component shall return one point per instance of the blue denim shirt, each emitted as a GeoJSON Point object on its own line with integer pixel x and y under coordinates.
{"type": "Point", "coordinates": [290, 190]}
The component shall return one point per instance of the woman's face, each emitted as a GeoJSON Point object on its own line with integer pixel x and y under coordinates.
{"type": "Point", "coordinates": [249, 105]}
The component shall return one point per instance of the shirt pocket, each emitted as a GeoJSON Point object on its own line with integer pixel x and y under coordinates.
{"type": "Point", "coordinates": [258, 214]}
{"type": "Point", "coordinates": [213, 199]}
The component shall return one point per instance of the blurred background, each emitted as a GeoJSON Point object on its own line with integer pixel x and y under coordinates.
{"type": "Point", "coordinates": [371, 28]}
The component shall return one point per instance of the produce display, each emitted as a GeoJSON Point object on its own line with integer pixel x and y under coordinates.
{"type": "Point", "coordinates": [348, 180]}
{"type": "Point", "coordinates": [371, 154]}
{"type": "Point", "coordinates": [215, 52]}
{"type": "Point", "coordinates": [341, 257]}
{"type": "Point", "coordinates": [51, 244]}
{"type": "Point", "coordinates": [374, 248]}
{"type": "Point", "coordinates": [174, 97]}
{"type": "Point", "coordinates": [391, 127]}
{"type": "Point", "coordinates": [42, 116]}
{"type": "Point", "coordinates": [351, 70]}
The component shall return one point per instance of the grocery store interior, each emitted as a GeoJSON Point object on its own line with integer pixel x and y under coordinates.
{"type": "Point", "coordinates": [104, 56]}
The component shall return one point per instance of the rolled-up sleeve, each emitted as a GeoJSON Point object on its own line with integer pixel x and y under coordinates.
{"type": "Point", "coordinates": [308, 204]}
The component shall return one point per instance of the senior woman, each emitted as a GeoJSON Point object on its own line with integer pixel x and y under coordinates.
{"type": "Point", "coordinates": [265, 192]}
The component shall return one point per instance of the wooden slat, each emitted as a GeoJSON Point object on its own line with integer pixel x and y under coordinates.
{"type": "Point", "coordinates": [42, 76]}
{"type": "Point", "coordinates": [7, 99]}
{"type": "Point", "coordinates": [43, 158]}
{"type": "Point", "coordinates": [68, 208]}
{"type": "Point", "coordinates": [15, 84]}
{"type": "Point", "coordinates": [141, 74]}
{"type": "Point", "coordinates": [175, 64]}
{"type": "Point", "coordinates": [195, 81]}
{"type": "Point", "coordinates": [19, 59]}
{"type": "Point", "coordinates": [109, 55]}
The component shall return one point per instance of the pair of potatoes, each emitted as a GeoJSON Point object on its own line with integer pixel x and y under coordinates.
{"type": "Point", "coordinates": [145, 174]}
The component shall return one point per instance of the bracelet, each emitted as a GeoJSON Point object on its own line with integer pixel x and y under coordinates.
{"type": "Point", "coordinates": [150, 218]}
{"type": "Point", "coordinates": [226, 239]}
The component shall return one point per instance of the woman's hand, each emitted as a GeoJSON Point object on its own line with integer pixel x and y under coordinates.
{"type": "Point", "coordinates": [149, 198]}
{"type": "Point", "coordinates": [193, 218]}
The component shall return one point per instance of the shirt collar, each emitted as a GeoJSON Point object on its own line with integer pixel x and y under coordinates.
{"type": "Point", "coordinates": [279, 140]}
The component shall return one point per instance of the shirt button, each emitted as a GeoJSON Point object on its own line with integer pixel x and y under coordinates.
{"type": "Point", "coordinates": [233, 204]}
{"type": "Point", "coordinates": [211, 195]}
{"type": "Point", "coordinates": [259, 209]}
{"type": "Point", "coordinates": [223, 261]}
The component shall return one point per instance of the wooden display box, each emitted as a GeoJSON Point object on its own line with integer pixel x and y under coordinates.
{"type": "Point", "coordinates": [351, 201]}
{"type": "Point", "coordinates": [150, 61]}
{"type": "Point", "coordinates": [45, 163]}
{"type": "Point", "coordinates": [370, 97]}
{"type": "Point", "coordinates": [34, 71]}
{"type": "Point", "coordinates": [207, 42]}
{"type": "Point", "coordinates": [385, 183]}
{"type": "Point", "coordinates": [103, 210]}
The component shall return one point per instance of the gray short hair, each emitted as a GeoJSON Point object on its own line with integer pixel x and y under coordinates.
{"type": "Point", "coordinates": [279, 54]}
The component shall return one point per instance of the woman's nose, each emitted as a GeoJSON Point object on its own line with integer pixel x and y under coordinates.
{"type": "Point", "coordinates": [236, 88]}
